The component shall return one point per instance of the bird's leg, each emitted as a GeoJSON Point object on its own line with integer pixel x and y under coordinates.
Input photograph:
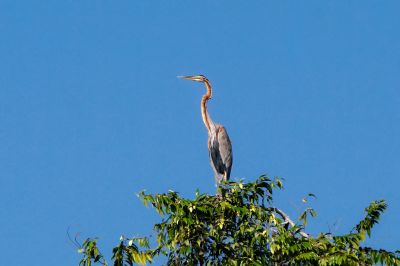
{"type": "Point", "coordinates": [221, 190]}
{"type": "Point", "coordinates": [218, 179]}
{"type": "Point", "coordinates": [225, 176]}
{"type": "Point", "coordinates": [220, 193]}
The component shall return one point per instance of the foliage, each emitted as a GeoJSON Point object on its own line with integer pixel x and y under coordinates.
{"type": "Point", "coordinates": [240, 226]}
{"type": "Point", "coordinates": [126, 253]}
{"type": "Point", "coordinates": [91, 253]}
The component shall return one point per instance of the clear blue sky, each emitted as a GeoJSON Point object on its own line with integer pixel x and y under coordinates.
{"type": "Point", "coordinates": [91, 112]}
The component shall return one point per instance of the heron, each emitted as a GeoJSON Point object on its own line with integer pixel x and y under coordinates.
{"type": "Point", "coordinates": [219, 144]}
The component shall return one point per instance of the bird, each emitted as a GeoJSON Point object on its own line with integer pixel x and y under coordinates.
{"type": "Point", "coordinates": [219, 144]}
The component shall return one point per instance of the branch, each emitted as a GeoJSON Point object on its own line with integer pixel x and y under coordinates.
{"type": "Point", "coordinates": [287, 220]}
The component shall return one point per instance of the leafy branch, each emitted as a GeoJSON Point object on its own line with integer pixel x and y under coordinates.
{"type": "Point", "coordinates": [241, 226]}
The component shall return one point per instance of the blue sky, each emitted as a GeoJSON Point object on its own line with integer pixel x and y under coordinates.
{"type": "Point", "coordinates": [91, 112]}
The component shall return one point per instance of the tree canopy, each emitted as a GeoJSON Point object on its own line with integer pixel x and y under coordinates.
{"type": "Point", "coordinates": [241, 226]}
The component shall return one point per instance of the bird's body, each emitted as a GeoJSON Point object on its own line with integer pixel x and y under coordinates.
{"type": "Point", "coordinates": [219, 144]}
{"type": "Point", "coordinates": [220, 152]}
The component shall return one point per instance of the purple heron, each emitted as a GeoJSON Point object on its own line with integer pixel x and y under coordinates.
{"type": "Point", "coordinates": [219, 144]}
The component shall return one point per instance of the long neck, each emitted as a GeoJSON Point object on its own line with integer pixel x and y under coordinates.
{"type": "Point", "coordinates": [206, 118]}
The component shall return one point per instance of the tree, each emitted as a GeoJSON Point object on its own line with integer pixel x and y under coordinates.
{"type": "Point", "coordinates": [240, 226]}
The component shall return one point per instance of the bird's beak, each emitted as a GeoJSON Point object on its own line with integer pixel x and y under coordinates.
{"type": "Point", "coordinates": [194, 78]}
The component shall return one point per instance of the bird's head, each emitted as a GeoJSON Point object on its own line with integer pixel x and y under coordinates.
{"type": "Point", "coordinates": [198, 78]}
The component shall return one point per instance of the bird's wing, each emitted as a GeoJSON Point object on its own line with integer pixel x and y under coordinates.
{"type": "Point", "coordinates": [220, 149]}
{"type": "Point", "coordinates": [215, 155]}
{"type": "Point", "coordinates": [225, 149]}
